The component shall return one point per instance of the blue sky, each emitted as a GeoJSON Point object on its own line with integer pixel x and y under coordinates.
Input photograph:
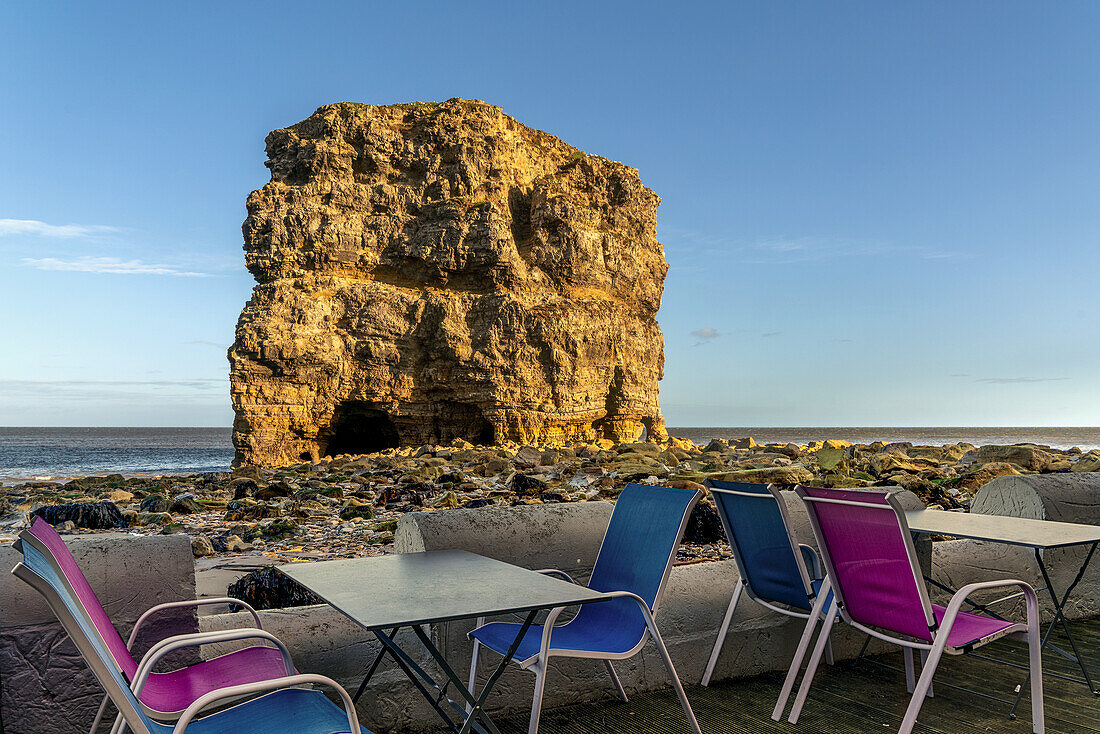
{"type": "Point", "coordinates": [874, 213]}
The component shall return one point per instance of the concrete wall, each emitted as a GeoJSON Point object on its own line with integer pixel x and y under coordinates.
{"type": "Point", "coordinates": [44, 684]}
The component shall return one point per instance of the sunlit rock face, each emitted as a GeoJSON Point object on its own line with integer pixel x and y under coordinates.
{"type": "Point", "coordinates": [428, 272]}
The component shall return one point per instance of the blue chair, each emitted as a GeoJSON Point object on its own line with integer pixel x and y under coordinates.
{"type": "Point", "coordinates": [776, 570]}
{"type": "Point", "coordinates": [286, 708]}
{"type": "Point", "coordinates": [633, 566]}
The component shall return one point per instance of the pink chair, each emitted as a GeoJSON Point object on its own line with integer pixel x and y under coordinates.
{"type": "Point", "coordinates": [869, 557]}
{"type": "Point", "coordinates": [165, 696]}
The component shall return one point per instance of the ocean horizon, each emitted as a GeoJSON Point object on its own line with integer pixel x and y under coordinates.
{"type": "Point", "coordinates": [47, 453]}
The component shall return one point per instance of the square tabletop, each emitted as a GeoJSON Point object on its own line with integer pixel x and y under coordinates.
{"type": "Point", "coordinates": [405, 589]}
{"type": "Point", "coordinates": [1002, 528]}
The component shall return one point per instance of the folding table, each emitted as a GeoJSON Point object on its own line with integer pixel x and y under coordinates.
{"type": "Point", "coordinates": [1039, 535]}
{"type": "Point", "coordinates": [384, 594]}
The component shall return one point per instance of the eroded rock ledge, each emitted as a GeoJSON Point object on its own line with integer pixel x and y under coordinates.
{"type": "Point", "coordinates": [429, 272]}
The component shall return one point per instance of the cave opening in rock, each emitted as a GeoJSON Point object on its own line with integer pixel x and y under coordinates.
{"type": "Point", "coordinates": [461, 420]}
{"type": "Point", "coordinates": [359, 428]}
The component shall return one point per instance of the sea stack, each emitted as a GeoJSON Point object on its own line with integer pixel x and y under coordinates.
{"type": "Point", "coordinates": [427, 272]}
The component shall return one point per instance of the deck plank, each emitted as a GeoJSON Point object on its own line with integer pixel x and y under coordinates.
{"type": "Point", "coordinates": [854, 700]}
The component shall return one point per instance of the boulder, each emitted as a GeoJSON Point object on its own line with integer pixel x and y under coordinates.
{"type": "Point", "coordinates": [201, 546]}
{"type": "Point", "coordinates": [784, 475]}
{"type": "Point", "coordinates": [1089, 462]}
{"type": "Point", "coordinates": [1024, 456]}
{"type": "Point", "coordinates": [267, 588]}
{"type": "Point", "coordinates": [91, 515]}
{"type": "Point", "coordinates": [704, 525]}
{"type": "Point", "coordinates": [976, 479]}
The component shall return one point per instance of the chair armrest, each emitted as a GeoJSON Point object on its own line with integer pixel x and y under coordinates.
{"type": "Point", "coordinates": [192, 603]}
{"type": "Point", "coordinates": [959, 598]}
{"type": "Point", "coordinates": [810, 555]}
{"type": "Point", "coordinates": [556, 572]}
{"type": "Point", "coordinates": [268, 685]}
{"type": "Point", "coordinates": [162, 648]}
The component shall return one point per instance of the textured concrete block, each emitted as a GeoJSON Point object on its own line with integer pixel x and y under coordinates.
{"type": "Point", "coordinates": [562, 536]}
{"type": "Point", "coordinates": [44, 684]}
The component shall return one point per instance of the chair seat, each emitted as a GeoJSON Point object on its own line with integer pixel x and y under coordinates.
{"type": "Point", "coordinates": [972, 630]}
{"type": "Point", "coordinates": [612, 627]}
{"type": "Point", "coordinates": [171, 693]}
{"type": "Point", "coordinates": [287, 711]}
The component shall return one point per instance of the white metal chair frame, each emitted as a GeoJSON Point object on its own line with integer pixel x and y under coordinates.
{"type": "Point", "coordinates": [539, 664]}
{"type": "Point", "coordinates": [797, 550]}
{"type": "Point", "coordinates": [149, 661]}
{"type": "Point", "coordinates": [81, 630]}
{"type": "Point", "coordinates": [939, 633]}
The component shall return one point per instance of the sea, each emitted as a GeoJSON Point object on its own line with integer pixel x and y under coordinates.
{"type": "Point", "coordinates": [59, 453]}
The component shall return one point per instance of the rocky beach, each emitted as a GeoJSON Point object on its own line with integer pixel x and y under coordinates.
{"type": "Point", "coordinates": [348, 505]}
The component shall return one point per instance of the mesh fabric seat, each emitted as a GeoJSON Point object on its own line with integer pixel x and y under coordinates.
{"type": "Point", "coordinates": [633, 562]}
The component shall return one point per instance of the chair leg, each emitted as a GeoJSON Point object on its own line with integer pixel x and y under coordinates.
{"type": "Point", "coordinates": [671, 669]}
{"type": "Point", "coordinates": [1035, 666]}
{"type": "Point", "coordinates": [811, 669]}
{"type": "Point", "coordinates": [536, 702]}
{"type": "Point", "coordinates": [800, 653]}
{"type": "Point", "coordinates": [910, 674]}
{"type": "Point", "coordinates": [923, 662]}
{"type": "Point", "coordinates": [722, 630]}
{"type": "Point", "coordinates": [473, 674]}
{"type": "Point", "coordinates": [99, 715]}
{"type": "Point", "coordinates": [616, 681]}
{"type": "Point", "coordinates": [924, 683]}
{"type": "Point", "coordinates": [119, 726]}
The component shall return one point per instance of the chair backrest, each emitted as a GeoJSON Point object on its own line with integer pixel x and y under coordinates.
{"type": "Point", "coordinates": [55, 550]}
{"type": "Point", "coordinates": [869, 555]}
{"type": "Point", "coordinates": [641, 540]}
{"type": "Point", "coordinates": [771, 564]}
{"type": "Point", "coordinates": [37, 571]}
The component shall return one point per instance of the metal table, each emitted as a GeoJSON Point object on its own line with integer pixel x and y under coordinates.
{"type": "Point", "coordinates": [1039, 535]}
{"type": "Point", "coordinates": [387, 593]}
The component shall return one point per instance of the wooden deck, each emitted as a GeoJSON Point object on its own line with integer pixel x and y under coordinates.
{"type": "Point", "coordinates": [863, 698]}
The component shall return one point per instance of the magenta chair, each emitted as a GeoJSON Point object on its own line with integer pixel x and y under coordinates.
{"type": "Point", "coordinates": [282, 705]}
{"type": "Point", "coordinates": [869, 557]}
{"type": "Point", "coordinates": [165, 696]}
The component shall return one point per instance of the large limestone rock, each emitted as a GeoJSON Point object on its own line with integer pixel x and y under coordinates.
{"type": "Point", "coordinates": [431, 272]}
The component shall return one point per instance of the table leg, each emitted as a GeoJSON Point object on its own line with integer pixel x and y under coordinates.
{"type": "Point", "coordinates": [1060, 619]}
{"type": "Point", "coordinates": [372, 669]}
{"type": "Point", "coordinates": [418, 676]}
{"type": "Point", "coordinates": [477, 710]}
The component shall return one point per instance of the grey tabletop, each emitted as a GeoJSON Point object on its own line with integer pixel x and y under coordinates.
{"type": "Point", "coordinates": [1002, 529]}
{"type": "Point", "coordinates": [417, 588]}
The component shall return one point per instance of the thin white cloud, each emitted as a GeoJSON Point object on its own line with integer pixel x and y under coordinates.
{"type": "Point", "coordinates": [9, 227]}
{"type": "Point", "coordinates": [706, 333]}
{"type": "Point", "coordinates": [198, 383]}
{"type": "Point", "coordinates": [113, 265]}
{"type": "Point", "coordinates": [1018, 380]}
{"type": "Point", "coordinates": [790, 250]}
{"type": "Point", "coordinates": [201, 388]}
{"type": "Point", "coordinates": [205, 343]}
